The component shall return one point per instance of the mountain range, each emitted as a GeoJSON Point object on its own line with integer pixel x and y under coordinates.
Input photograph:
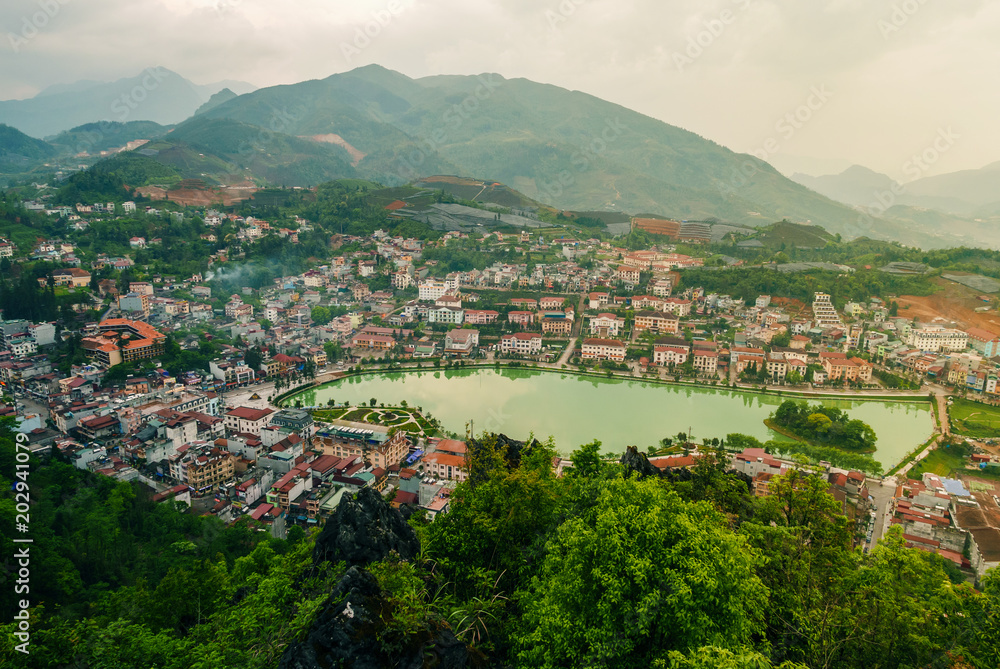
{"type": "Point", "coordinates": [155, 94]}
{"type": "Point", "coordinates": [561, 147]}
{"type": "Point", "coordinates": [973, 193]}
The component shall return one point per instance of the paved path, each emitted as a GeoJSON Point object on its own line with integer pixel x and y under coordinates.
{"type": "Point", "coordinates": [564, 358]}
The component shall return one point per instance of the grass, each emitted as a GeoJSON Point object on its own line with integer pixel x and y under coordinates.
{"type": "Point", "coordinates": [973, 419]}
{"type": "Point", "coordinates": [358, 415]}
{"type": "Point", "coordinates": [941, 461]}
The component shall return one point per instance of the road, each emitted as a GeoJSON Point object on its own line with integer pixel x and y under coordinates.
{"type": "Point", "coordinates": [883, 491]}
{"type": "Point", "coordinates": [564, 358]}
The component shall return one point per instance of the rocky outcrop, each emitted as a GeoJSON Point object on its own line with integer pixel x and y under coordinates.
{"type": "Point", "coordinates": [349, 632]}
{"type": "Point", "coordinates": [365, 529]}
{"type": "Point", "coordinates": [634, 461]}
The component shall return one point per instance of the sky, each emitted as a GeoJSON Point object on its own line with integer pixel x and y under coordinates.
{"type": "Point", "coordinates": [805, 84]}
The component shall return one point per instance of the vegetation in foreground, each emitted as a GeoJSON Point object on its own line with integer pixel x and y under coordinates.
{"type": "Point", "coordinates": [596, 568]}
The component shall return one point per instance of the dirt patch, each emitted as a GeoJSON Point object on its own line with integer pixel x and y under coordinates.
{"type": "Point", "coordinates": [152, 192]}
{"type": "Point", "coordinates": [953, 303]}
{"type": "Point", "coordinates": [202, 196]}
{"type": "Point", "coordinates": [331, 138]}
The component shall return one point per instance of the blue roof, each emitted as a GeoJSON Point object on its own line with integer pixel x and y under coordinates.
{"type": "Point", "coordinates": [955, 487]}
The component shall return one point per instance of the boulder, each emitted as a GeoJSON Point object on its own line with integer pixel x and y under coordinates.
{"type": "Point", "coordinates": [365, 529]}
{"type": "Point", "coordinates": [637, 462]}
{"type": "Point", "coordinates": [348, 628]}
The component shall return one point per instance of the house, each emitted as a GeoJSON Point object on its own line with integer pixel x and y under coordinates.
{"type": "Point", "coordinates": [247, 420]}
{"type": "Point", "coordinates": [74, 277]}
{"type": "Point", "coordinates": [603, 349]}
{"type": "Point", "coordinates": [668, 356]}
{"type": "Point", "coordinates": [598, 300]}
{"type": "Point", "coordinates": [521, 343]}
{"type": "Point", "coordinates": [627, 275]}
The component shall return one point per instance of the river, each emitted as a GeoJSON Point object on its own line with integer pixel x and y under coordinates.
{"type": "Point", "coordinates": [576, 409]}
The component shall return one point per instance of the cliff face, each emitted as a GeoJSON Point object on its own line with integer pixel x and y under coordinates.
{"type": "Point", "coordinates": [363, 530]}
{"type": "Point", "coordinates": [352, 628]}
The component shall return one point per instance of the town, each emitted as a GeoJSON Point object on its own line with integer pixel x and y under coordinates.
{"type": "Point", "coordinates": [192, 391]}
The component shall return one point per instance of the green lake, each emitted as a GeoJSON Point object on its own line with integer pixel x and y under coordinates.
{"type": "Point", "coordinates": [576, 409]}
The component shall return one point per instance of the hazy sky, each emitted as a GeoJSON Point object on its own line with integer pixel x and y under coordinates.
{"type": "Point", "coordinates": [885, 79]}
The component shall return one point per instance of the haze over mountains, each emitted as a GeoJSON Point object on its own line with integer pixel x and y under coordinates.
{"type": "Point", "coordinates": [560, 147]}
{"type": "Point", "coordinates": [966, 193]}
{"type": "Point", "coordinates": [155, 94]}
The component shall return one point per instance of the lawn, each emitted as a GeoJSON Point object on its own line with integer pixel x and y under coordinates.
{"type": "Point", "coordinates": [973, 419]}
{"type": "Point", "coordinates": [941, 461]}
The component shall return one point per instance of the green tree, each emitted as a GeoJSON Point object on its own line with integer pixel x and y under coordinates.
{"type": "Point", "coordinates": [644, 574]}
{"type": "Point", "coordinates": [320, 315]}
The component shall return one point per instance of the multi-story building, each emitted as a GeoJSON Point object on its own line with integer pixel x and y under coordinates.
{"type": "Point", "coordinates": [557, 324]}
{"type": "Point", "coordinates": [451, 315]}
{"type": "Point", "coordinates": [705, 361]}
{"type": "Point", "coordinates": [677, 305]}
{"type": "Point", "coordinates": [201, 465]}
{"type": "Point", "coordinates": [931, 338]}
{"type": "Point", "coordinates": [373, 442]}
{"type": "Point", "coordinates": [134, 302]}
{"type": "Point", "coordinates": [824, 312]}
{"type": "Point", "coordinates": [431, 289]}
{"type": "Point", "coordinates": [294, 421]}
{"type": "Point", "coordinates": [628, 276]}
{"type": "Point", "coordinates": [247, 420]}
{"type": "Point", "coordinates": [661, 287]}
{"type": "Point", "coordinates": [461, 342]}
{"type": "Point", "coordinates": [984, 342]}
{"type": "Point", "coordinates": [480, 316]}
{"type": "Point", "coordinates": [666, 356]}
{"type": "Point", "coordinates": [232, 372]}
{"type": "Point", "coordinates": [522, 318]}
{"type": "Point", "coordinates": [656, 321]}
{"type": "Point", "coordinates": [521, 343]}
{"type": "Point", "coordinates": [73, 277]}
{"type": "Point", "coordinates": [603, 349]}
{"type": "Point", "coordinates": [606, 325]}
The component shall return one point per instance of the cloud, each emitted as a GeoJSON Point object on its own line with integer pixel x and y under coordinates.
{"type": "Point", "coordinates": [899, 68]}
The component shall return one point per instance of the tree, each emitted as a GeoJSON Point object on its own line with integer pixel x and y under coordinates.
{"type": "Point", "coordinates": [253, 358]}
{"type": "Point", "coordinates": [782, 339]}
{"type": "Point", "coordinates": [320, 315]}
{"type": "Point", "coordinates": [587, 460]}
{"type": "Point", "coordinates": [594, 604]}
{"type": "Point", "coordinates": [372, 402]}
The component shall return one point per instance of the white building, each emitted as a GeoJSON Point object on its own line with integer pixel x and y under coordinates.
{"type": "Point", "coordinates": [521, 343]}
{"type": "Point", "coordinates": [432, 289]}
{"type": "Point", "coordinates": [937, 339]}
